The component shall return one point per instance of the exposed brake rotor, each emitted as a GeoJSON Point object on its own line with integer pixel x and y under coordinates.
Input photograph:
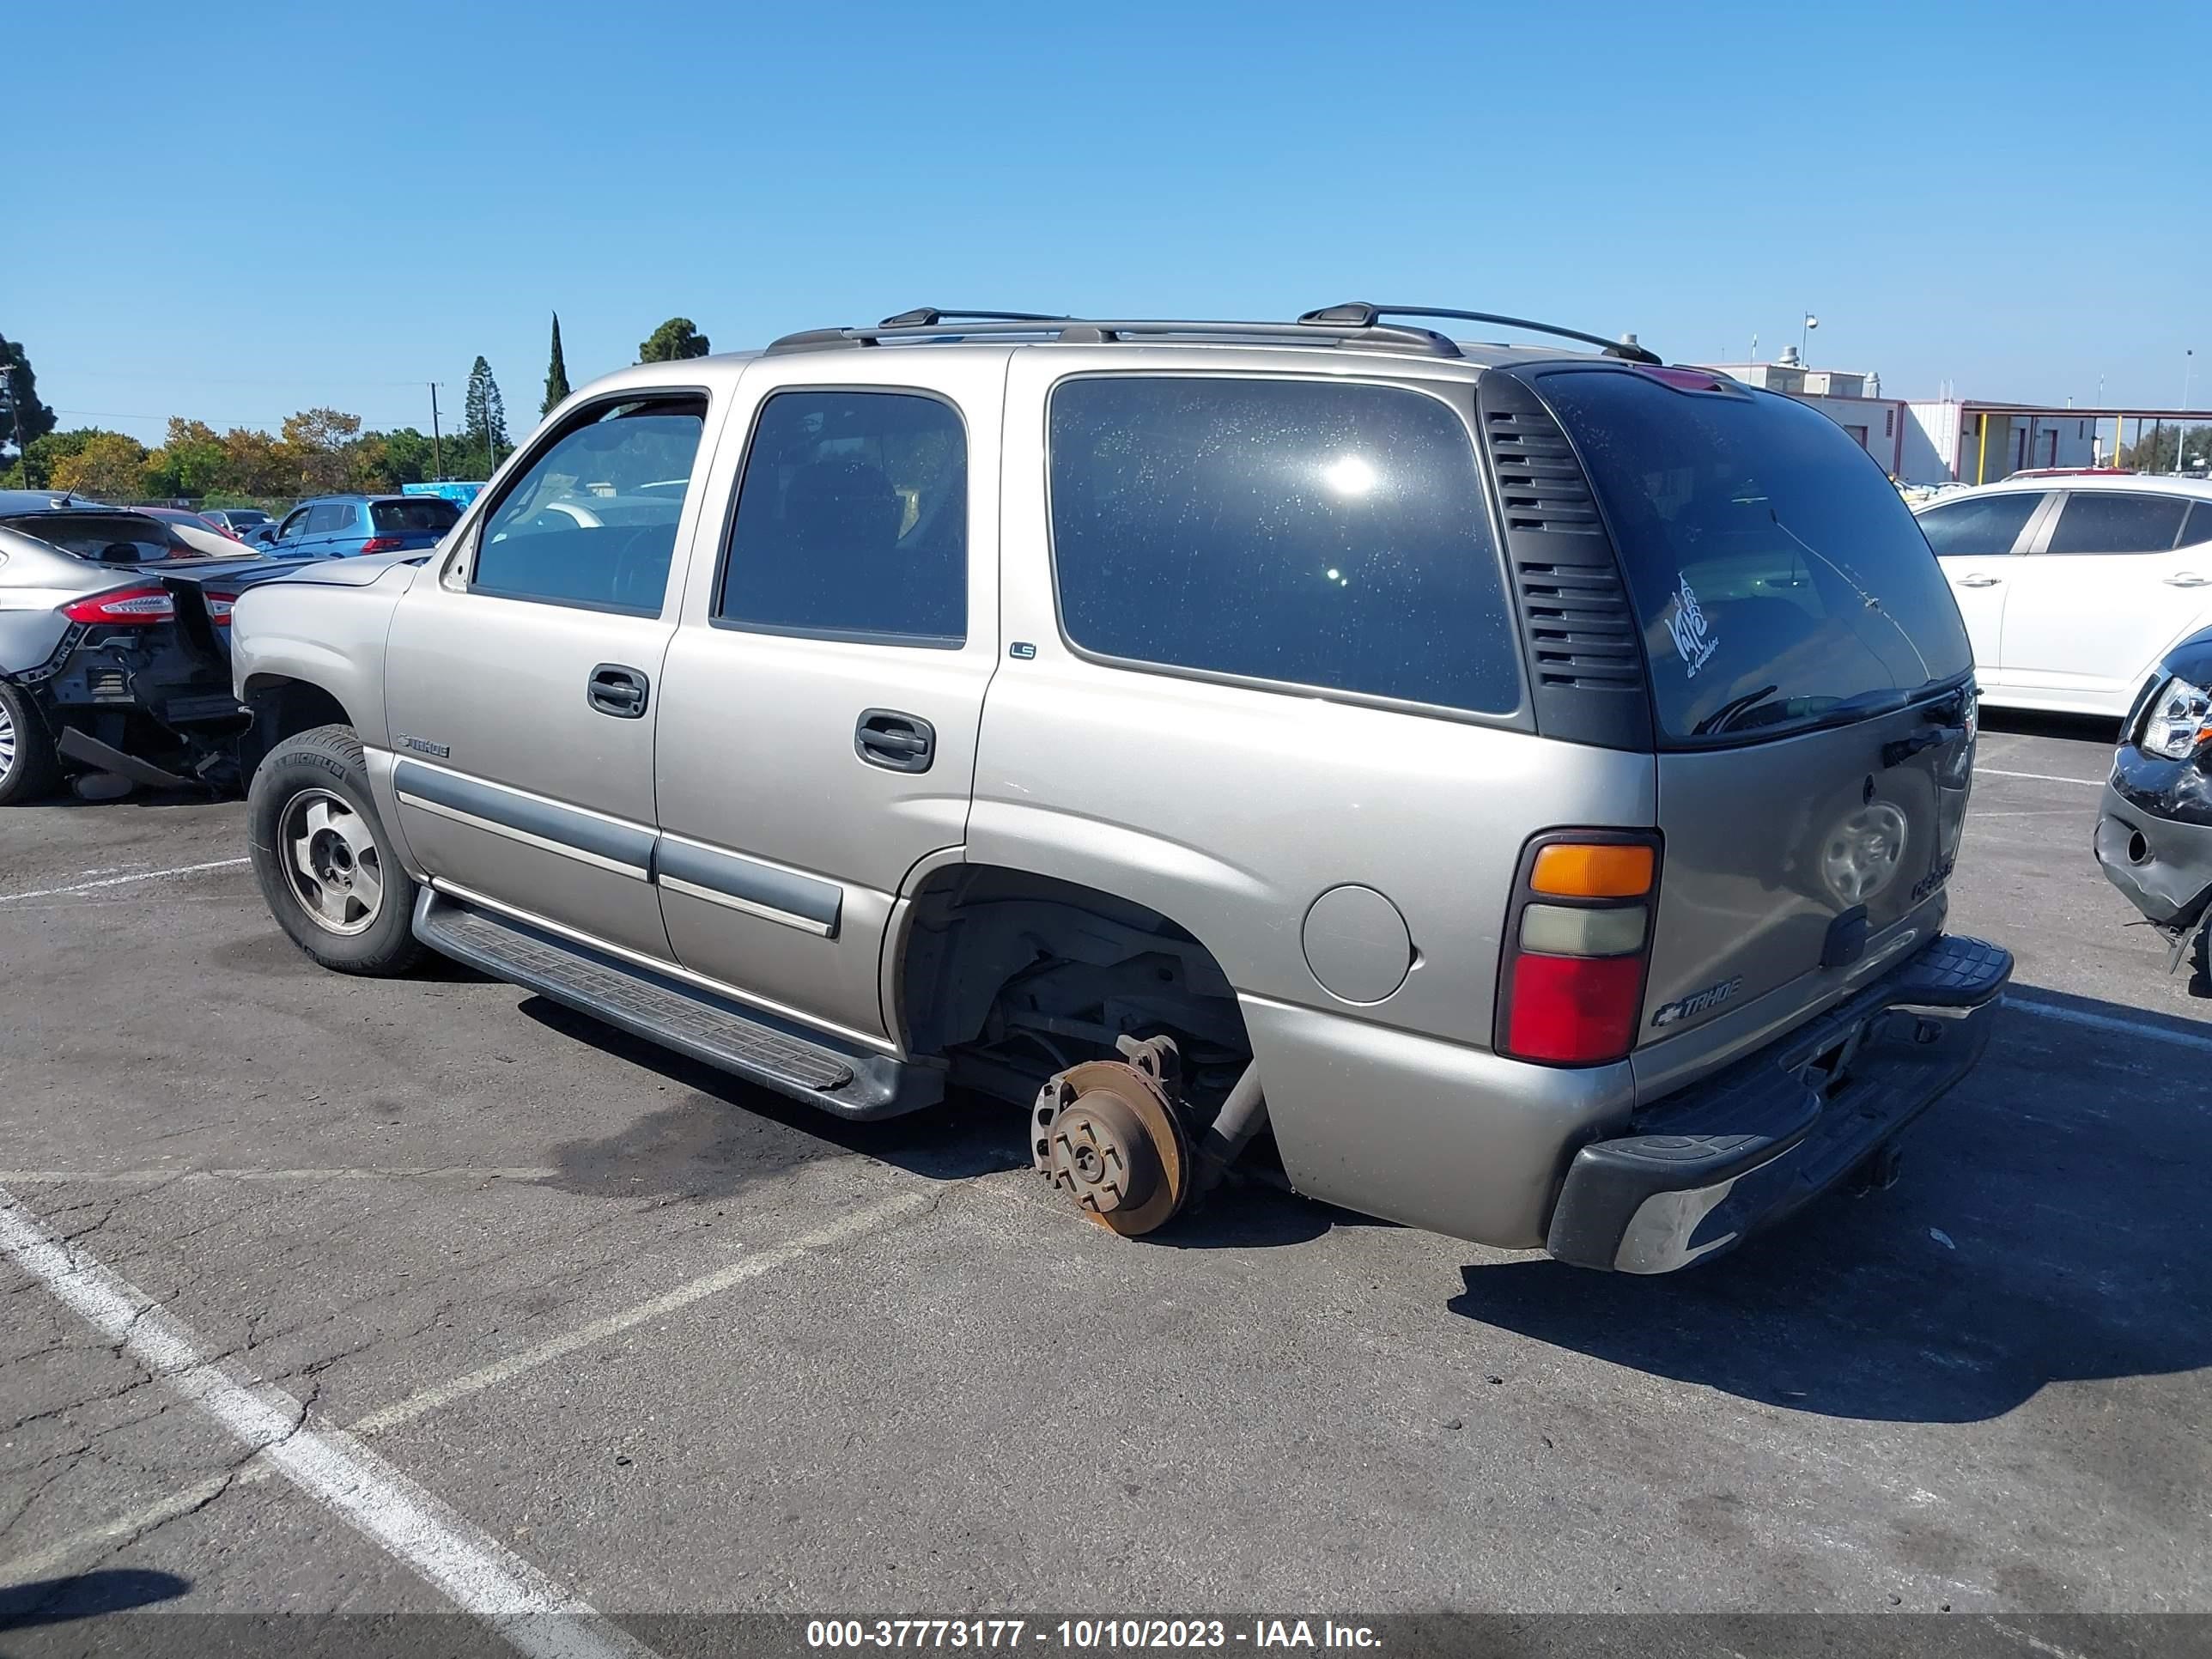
{"type": "Point", "coordinates": [1106, 1133]}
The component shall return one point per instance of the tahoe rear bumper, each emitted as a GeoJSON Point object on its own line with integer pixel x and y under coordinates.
{"type": "Point", "coordinates": [1708, 1165]}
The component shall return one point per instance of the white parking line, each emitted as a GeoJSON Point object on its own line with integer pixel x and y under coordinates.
{"type": "Point", "coordinates": [478, 1573]}
{"type": "Point", "coordinates": [63, 1551]}
{"type": "Point", "coordinates": [529, 1359]}
{"type": "Point", "coordinates": [2109, 1022]}
{"type": "Point", "coordinates": [118, 881]}
{"type": "Point", "coordinates": [2039, 777]}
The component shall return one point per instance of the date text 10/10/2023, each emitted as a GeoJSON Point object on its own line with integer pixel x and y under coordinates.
{"type": "Point", "coordinates": [1088, 1635]}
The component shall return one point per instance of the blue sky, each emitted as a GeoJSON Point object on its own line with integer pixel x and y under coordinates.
{"type": "Point", "coordinates": [235, 212]}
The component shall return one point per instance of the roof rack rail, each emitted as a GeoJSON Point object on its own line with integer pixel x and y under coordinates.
{"type": "Point", "coordinates": [926, 324]}
{"type": "Point", "coordinates": [1359, 312]}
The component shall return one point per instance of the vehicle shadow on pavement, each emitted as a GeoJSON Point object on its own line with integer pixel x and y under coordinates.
{"type": "Point", "coordinates": [2049, 1226]}
{"type": "Point", "coordinates": [85, 1596]}
{"type": "Point", "coordinates": [722, 1133]}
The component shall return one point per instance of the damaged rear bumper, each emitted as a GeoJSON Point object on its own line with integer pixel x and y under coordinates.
{"type": "Point", "coordinates": [1714, 1162]}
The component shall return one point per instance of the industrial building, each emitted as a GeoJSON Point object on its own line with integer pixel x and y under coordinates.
{"type": "Point", "coordinates": [1955, 439]}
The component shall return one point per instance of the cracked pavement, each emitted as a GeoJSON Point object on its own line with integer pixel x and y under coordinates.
{"type": "Point", "coordinates": [1986, 1389]}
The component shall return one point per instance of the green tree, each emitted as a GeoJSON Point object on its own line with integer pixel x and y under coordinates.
{"type": "Point", "coordinates": [189, 463]}
{"type": "Point", "coordinates": [556, 372]}
{"type": "Point", "coordinates": [407, 455]}
{"type": "Point", "coordinates": [673, 342]}
{"type": "Point", "coordinates": [255, 464]}
{"type": "Point", "coordinates": [44, 454]}
{"type": "Point", "coordinates": [2153, 451]}
{"type": "Point", "coordinates": [483, 413]}
{"type": "Point", "coordinates": [111, 466]}
{"type": "Point", "coordinates": [317, 443]}
{"type": "Point", "coordinates": [23, 419]}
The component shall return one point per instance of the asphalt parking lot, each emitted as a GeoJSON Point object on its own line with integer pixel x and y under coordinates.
{"type": "Point", "coordinates": [633, 1334]}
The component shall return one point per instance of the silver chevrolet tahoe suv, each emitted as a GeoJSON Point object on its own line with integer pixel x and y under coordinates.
{"type": "Point", "coordinates": [1518, 783]}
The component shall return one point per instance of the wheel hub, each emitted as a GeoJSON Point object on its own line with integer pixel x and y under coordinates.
{"type": "Point", "coordinates": [332, 861]}
{"type": "Point", "coordinates": [1106, 1133]}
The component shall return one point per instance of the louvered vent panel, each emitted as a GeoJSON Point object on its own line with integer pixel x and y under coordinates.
{"type": "Point", "coordinates": [1575, 616]}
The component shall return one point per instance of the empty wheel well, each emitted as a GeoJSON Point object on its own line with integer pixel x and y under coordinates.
{"type": "Point", "coordinates": [283, 707]}
{"type": "Point", "coordinates": [1015, 976]}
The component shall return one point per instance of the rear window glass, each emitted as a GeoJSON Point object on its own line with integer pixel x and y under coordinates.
{"type": "Point", "coordinates": [1321, 533]}
{"type": "Point", "coordinates": [427, 515]}
{"type": "Point", "coordinates": [2199, 527]}
{"type": "Point", "coordinates": [1778, 577]}
{"type": "Point", "coordinates": [1984, 528]}
{"type": "Point", "coordinates": [106, 537]}
{"type": "Point", "coordinates": [2102, 521]}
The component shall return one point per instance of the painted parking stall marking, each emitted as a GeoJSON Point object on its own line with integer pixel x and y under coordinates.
{"type": "Point", "coordinates": [478, 1574]}
{"type": "Point", "coordinates": [120, 881]}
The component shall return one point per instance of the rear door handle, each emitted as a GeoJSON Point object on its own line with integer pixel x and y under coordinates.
{"type": "Point", "coordinates": [1979, 580]}
{"type": "Point", "coordinates": [617, 690]}
{"type": "Point", "coordinates": [2187, 579]}
{"type": "Point", "coordinates": [896, 742]}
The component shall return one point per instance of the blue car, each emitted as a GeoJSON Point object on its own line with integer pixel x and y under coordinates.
{"type": "Point", "coordinates": [338, 526]}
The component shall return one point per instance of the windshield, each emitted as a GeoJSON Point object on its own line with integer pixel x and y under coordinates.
{"type": "Point", "coordinates": [1778, 577]}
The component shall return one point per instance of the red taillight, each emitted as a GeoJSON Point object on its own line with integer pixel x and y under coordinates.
{"type": "Point", "coordinates": [1571, 980]}
{"type": "Point", "coordinates": [383, 545]}
{"type": "Point", "coordinates": [1574, 1011]}
{"type": "Point", "coordinates": [124, 607]}
{"type": "Point", "coordinates": [219, 607]}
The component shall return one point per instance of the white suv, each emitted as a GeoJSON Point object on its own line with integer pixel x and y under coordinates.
{"type": "Point", "coordinates": [2075, 587]}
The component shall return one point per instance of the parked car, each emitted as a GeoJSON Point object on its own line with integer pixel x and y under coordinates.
{"type": "Point", "coordinates": [202, 535]}
{"type": "Point", "coordinates": [238, 522]}
{"type": "Point", "coordinates": [2154, 832]}
{"type": "Point", "coordinates": [1525, 781]}
{"type": "Point", "coordinates": [2074, 587]}
{"type": "Point", "coordinates": [342, 527]}
{"type": "Point", "coordinates": [96, 675]}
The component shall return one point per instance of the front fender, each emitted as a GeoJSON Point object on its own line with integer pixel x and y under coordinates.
{"type": "Point", "coordinates": [329, 637]}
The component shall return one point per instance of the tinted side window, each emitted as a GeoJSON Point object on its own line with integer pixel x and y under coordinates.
{"type": "Point", "coordinates": [294, 524]}
{"type": "Point", "coordinates": [2199, 528]}
{"type": "Point", "coordinates": [1320, 533]}
{"type": "Point", "coordinates": [852, 519]}
{"type": "Point", "coordinates": [1983, 529]}
{"type": "Point", "coordinates": [593, 520]}
{"type": "Point", "coordinates": [2108, 521]}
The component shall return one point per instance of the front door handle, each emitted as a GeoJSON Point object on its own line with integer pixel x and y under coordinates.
{"type": "Point", "coordinates": [896, 742]}
{"type": "Point", "coordinates": [617, 690]}
{"type": "Point", "coordinates": [1979, 580]}
{"type": "Point", "coordinates": [2186, 579]}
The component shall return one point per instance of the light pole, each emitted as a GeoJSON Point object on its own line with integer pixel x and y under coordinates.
{"type": "Point", "coordinates": [2181, 426]}
{"type": "Point", "coordinates": [1804, 335]}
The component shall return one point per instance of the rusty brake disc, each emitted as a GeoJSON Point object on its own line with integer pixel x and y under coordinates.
{"type": "Point", "coordinates": [1104, 1133]}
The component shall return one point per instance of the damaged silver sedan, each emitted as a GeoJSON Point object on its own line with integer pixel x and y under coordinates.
{"type": "Point", "coordinates": [112, 672]}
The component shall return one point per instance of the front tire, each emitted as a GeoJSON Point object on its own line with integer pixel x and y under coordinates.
{"type": "Point", "coordinates": [324, 859]}
{"type": "Point", "coordinates": [28, 767]}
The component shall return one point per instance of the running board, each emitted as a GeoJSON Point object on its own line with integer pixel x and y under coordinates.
{"type": "Point", "coordinates": [774, 1054]}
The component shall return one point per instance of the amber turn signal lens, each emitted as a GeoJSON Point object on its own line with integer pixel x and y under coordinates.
{"type": "Point", "coordinates": [1567, 870]}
